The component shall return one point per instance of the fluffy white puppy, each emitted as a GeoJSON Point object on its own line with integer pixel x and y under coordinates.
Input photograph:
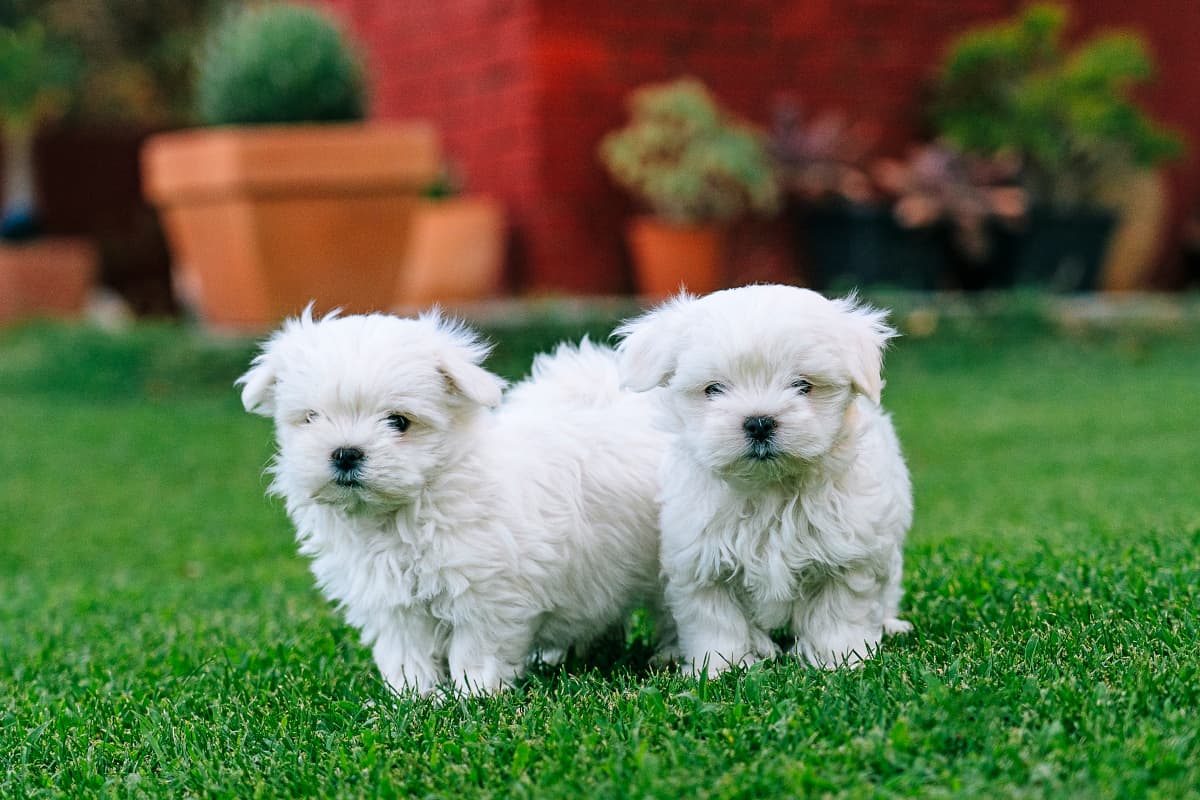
{"type": "Point", "coordinates": [785, 498]}
{"type": "Point", "coordinates": [460, 538]}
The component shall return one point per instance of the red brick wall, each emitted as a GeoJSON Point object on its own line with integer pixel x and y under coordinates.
{"type": "Point", "coordinates": [466, 65]}
{"type": "Point", "coordinates": [524, 89]}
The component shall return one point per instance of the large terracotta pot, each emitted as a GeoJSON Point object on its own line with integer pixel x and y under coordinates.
{"type": "Point", "coordinates": [49, 277]}
{"type": "Point", "coordinates": [264, 220]}
{"type": "Point", "coordinates": [455, 253]}
{"type": "Point", "coordinates": [671, 257]}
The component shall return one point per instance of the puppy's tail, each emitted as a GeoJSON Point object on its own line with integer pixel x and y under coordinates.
{"type": "Point", "coordinates": [584, 374]}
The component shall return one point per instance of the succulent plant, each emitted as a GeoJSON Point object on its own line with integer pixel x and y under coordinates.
{"type": "Point", "coordinates": [277, 64]}
{"type": "Point", "coordinates": [823, 159]}
{"type": "Point", "coordinates": [939, 184]}
{"type": "Point", "coordinates": [687, 159]}
{"type": "Point", "coordinates": [1013, 87]}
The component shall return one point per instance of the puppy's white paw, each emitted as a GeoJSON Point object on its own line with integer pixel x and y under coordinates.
{"type": "Point", "coordinates": [842, 650]}
{"type": "Point", "coordinates": [550, 656]}
{"type": "Point", "coordinates": [408, 681]}
{"type": "Point", "coordinates": [896, 627]}
{"type": "Point", "coordinates": [404, 664]}
{"type": "Point", "coordinates": [714, 664]}
{"type": "Point", "coordinates": [765, 648]}
{"type": "Point", "coordinates": [666, 653]}
{"type": "Point", "coordinates": [488, 677]}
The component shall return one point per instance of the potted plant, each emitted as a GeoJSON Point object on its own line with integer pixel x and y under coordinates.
{"type": "Point", "coordinates": [844, 236]}
{"type": "Point", "coordinates": [968, 204]}
{"type": "Point", "coordinates": [139, 61]}
{"type": "Point", "coordinates": [696, 169]}
{"type": "Point", "coordinates": [290, 198]}
{"type": "Point", "coordinates": [456, 249]}
{"type": "Point", "coordinates": [1067, 115]}
{"type": "Point", "coordinates": [39, 275]}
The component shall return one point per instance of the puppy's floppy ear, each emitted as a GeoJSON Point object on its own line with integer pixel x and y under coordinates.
{"type": "Point", "coordinates": [650, 344]}
{"type": "Point", "coordinates": [866, 334]}
{"type": "Point", "coordinates": [461, 352]}
{"type": "Point", "coordinates": [258, 385]}
{"type": "Point", "coordinates": [473, 381]}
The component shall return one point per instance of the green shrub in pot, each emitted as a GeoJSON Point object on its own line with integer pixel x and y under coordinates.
{"type": "Point", "coordinates": [239, 80]}
{"type": "Point", "coordinates": [1014, 89]}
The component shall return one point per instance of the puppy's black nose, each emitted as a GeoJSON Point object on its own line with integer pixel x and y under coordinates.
{"type": "Point", "coordinates": [347, 459]}
{"type": "Point", "coordinates": [759, 429]}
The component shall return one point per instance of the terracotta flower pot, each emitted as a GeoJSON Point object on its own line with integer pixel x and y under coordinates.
{"type": "Point", "coordinates": [1142, 201]}
{"type": "Point", "coordinates": [669, 257]}
{"type": "Point", "coordinates": [455, 252]}
{"type": "Point", "coordinates": [263, 220]}
{"type": "Point", "coordinates": [49, 277]}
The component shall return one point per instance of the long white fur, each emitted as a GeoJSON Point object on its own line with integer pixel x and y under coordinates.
{"type": "Point", "coordinates": [481, 536]}
{"type": "Point", "coordinates": [809, 542]}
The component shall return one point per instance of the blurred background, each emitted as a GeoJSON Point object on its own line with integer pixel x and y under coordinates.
{"type": "Point", "coordinates": [555, 148]}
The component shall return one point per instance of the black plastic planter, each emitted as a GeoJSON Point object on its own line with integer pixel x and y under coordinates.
{"type": "Point", "coordinates": [1058, 251]}
{"type": "Point", "coordinates": [845, 247]}
{"type": "Point", "coordinates": [850, 246]}
{"type": "Point", "coordinates": [1063, 250]}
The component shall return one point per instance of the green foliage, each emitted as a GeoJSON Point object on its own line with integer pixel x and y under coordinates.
{"type": "Point", "coordinates": [140, 56]}
{"type": "Point", "coordinates": [1013, 88]}
{"type": "Point", "coordinates": [161, 637]}
{"type": "Point", "coordinates": [36, 77]}
{"type": "Point", "coordinates": [687, 159]}
{"type": "Point", "coordinates": [276, 64]}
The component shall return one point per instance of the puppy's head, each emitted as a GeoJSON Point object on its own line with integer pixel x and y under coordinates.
{"type": "Point", "coordinates": [759, 379]}
{"type": "Point", "coordinates": [368, 408]}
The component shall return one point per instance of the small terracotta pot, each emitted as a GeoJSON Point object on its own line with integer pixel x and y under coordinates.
{"type": "Point", "coordinates": [1142, 201]}
{"type": "Point", "coordinates": [455, 252]}
{"type": "Point", "coordinates": [671, 257]}
{"type": "Point", "coordinates": [49, 277]}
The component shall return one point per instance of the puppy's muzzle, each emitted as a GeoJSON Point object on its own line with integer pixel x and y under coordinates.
{"type": "Point", "coordinates": [759, 429]}
{"type": "Point", "coordinates": [346, 462]}
{"type": "Point", "coordinates": [759, 432]}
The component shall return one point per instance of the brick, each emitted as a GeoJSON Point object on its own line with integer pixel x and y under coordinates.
{"type": "Point", "coordinates": [524, 89]}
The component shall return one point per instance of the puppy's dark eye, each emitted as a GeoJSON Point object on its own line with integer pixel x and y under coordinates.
{"type": "Point", "coordinates": [802, 386]}
{"type": "Point", "coordinates": [310, 416]}
{"type": "Point", "coordinates": [398, 422]}
{"type": "Point", "coordinates": [714, 389]}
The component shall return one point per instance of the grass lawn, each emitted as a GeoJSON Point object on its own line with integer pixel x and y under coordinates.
{"type": "Point", "coordinates": [160, 637]}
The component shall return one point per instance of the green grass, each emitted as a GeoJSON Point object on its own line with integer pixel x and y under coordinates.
{"type": "Point", "coordinates": [160, 637]}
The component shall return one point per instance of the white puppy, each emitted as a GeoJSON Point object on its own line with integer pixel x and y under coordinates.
{"type": "Point", "coordinates": [460, 539]}
{"type": "Point", "coordinates": [785, 498]}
